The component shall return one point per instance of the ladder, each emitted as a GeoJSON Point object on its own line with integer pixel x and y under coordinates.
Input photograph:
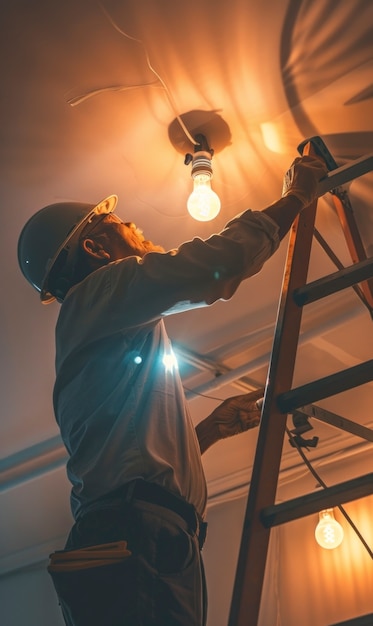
{"type": "Point", "coordinates": [280, 399]}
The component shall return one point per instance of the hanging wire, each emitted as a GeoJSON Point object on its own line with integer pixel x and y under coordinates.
{"type": "Point", "coordinates": [202, 395]}
{"type": "Point", "coordinates": [323, 484]}
{"type": "Point", "coordinates": [94, 92]}
{"type": "Point", "coordinates": [79, 99]}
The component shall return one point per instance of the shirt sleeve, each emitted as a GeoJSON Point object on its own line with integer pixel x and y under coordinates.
{"type": "Point", "coordinates": [197, 273]}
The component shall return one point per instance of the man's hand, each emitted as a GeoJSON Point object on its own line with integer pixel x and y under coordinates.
{"type": "Point", "coordinates": [233, 416]}
{"type": "Point", "coordinates": [302, 178]}
{"type": "Point", "coordinates": [238, 414]}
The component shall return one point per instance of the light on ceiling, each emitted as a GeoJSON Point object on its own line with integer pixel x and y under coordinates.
{"type": "Point", "coordinates": [203, 203]}
{"type": "Point", "coordinates": [328, 532]}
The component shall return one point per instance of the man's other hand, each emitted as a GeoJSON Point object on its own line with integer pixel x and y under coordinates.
{"type": "Point", "coordinates": [237, 414]}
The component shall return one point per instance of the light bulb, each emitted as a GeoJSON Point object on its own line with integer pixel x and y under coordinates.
{"type": "Point", "coordinates": [203, 203]}
{"type": "Point", "coordinates": [328, 532]}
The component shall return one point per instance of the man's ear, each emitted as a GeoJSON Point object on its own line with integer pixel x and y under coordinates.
{"type": "Point", "coordinates": [95, 249]}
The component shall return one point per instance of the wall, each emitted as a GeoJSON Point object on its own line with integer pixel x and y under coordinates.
{"type": "Point", "coordinates": [27, 598]}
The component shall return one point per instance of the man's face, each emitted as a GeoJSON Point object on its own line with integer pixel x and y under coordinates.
{"type": "Point", "coordinates": [123, 239]}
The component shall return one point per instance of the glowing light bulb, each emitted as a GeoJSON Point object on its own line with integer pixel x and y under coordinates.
{"type": "Point", "coordinates": [328, 533]}
{"type": "Point", "coordinates": [203, 203]}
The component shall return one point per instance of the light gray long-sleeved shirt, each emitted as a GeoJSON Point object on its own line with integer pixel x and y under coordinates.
{"type": "Point", "coordinates": [118, 401]}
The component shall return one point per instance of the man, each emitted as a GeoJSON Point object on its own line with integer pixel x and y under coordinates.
{"type": "Point", "coordinates": [135, 458]}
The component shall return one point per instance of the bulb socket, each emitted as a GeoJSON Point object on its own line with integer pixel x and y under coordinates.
{"type": "Point", "coordinates": [201, 164]}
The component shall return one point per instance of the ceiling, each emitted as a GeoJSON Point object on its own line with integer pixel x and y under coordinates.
{"type": "Point", "coordinates": [101, 98]}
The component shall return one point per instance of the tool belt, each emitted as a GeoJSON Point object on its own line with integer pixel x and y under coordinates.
{"type": "Point", "coordinates": [155, 494]}
{"type": "Point", "coordinates": [116, 552]}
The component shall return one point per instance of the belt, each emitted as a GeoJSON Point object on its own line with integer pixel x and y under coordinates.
{"type": "Point", "coordinates": [155, 494]}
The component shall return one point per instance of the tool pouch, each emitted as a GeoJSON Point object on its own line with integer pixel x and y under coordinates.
{"type": "Point", "coordinates": [82, 577]}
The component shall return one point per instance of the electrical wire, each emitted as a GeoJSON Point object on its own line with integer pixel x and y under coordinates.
{"type": "Point", "coordinates": [203, 395]}
{"type": "Point", "coordinates": [323, 484]}
{"type": "Point", "coordinates": [79, 99]}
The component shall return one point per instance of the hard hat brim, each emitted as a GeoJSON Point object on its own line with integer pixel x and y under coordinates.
{"type": "Point", "coordinates": [106, 206]}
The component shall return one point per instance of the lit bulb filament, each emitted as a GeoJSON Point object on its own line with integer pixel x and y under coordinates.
{"type": "Point", "coordinates": [329, 534]}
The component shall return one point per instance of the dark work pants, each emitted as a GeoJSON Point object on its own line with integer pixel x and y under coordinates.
{"type": "Point", "coordinates": [161, 584]}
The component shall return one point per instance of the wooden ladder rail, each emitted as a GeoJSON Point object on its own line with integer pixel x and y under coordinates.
{"type": "Point", "coordinates": [261, 511]}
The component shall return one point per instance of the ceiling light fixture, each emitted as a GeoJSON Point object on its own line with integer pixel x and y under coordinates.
{"type": "Point", "coordinates": [203, 203]}
{"type": "Point", "coordinates": [328, 533]}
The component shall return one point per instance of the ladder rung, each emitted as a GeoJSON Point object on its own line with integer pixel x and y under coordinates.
{"type": "Point", "coordinates": [334, 282]}
{"type": "Point", "coordinates": [325, 387]}
{"type": "Point", "coordinates": [314, 502]}
{"type": "Point", "coordinates": [345, 174]}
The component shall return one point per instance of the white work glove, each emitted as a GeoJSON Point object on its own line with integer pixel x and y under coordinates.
{"type": "Point", "coordinates": [302, 178]}
{"type": "Point", "coordinates": [237, 414]}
